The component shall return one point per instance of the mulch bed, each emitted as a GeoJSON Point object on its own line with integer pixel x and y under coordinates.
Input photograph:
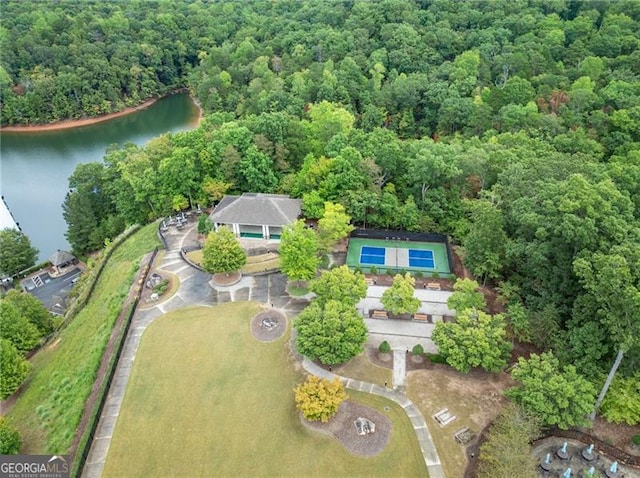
{"type": "Point", "coordinates": [342, 427]}
{"type": "Point", "coordinates": [264, 334]}
{"type": "Point", "coordinates": [226, 279]}
{"type": "Point", "coordinates": [386, 360]}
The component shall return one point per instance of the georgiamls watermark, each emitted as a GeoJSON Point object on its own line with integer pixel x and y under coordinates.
{"type": "Point", "coordinates": [34, 466]}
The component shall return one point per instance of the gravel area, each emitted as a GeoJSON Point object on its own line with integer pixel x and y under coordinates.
{"type": "Point", "coordinates": [343, 428]}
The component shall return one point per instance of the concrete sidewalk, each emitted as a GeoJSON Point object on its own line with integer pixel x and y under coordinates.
{"type": "Point", "coordinates": [429, 452]}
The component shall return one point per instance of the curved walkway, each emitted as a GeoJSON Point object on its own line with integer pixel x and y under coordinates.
{"type": "Point", "coordinates": [195, 290]}
{"type": "Point", "coordinates": [429, 453]}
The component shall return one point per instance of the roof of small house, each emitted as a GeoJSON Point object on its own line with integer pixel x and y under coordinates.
{"type": "Point", "coordinates": [257, 209]}
{"type": "Point", "coordinates": [61, 257]}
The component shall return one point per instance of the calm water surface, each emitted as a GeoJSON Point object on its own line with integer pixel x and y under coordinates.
{"type": "Point", "coordinates": [35, 167]}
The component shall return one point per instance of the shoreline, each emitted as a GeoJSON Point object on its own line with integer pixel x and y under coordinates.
{"type": "Point", "coordinates": [68, 124]}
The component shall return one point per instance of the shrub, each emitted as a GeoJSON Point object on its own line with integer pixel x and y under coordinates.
{"type": "Point", "coordinates": [417, 350]}
{"type": "Point", "coordinates": [10, 440]}
{"type": "Point", "coordinates": [436, 358]}
{"type": "Point", "coordinates": [435, 275]}
{"type": "Point", "coordinates": [162, 287]}
{"type": "Point", "coordinates": [357, 268]}
{"type": "Point", "coordinates": [390, 272]}
{"type": "Point", "coordinates": [635, 439]}
{"type": "Point", "coordinates": [373, 270]}
{"type": "Point", "coordinates": [418, 274]}
{"type": "Point", "coordinates": [384, 347]}
{"type": "Point", "coordinates": [318, 399]}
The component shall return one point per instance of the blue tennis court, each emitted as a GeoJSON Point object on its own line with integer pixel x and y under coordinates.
{"type": "Point", "coordinates": [421, 258]}
{"type": "Point", "coordinates": [372, 255]}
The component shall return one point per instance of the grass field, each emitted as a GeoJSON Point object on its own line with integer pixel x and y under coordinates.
{"type": "Point", "coordinates": [206, 399]}
{"type": "Point", "coordinates": [439, 250]}
{"type": "Point", "coordinates": [48, 411]}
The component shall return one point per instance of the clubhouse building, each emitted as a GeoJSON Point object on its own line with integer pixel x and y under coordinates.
{"type": "Point", "coordinates": [256, 215]}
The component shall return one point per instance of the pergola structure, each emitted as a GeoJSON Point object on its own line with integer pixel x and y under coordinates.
{"type": "Point", "coordinates": [256, 215]}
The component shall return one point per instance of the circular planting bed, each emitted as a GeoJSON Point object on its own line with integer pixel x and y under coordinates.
{"type": "Point", "coordinates": [268, 326]}
{"type": "Point", "coordinates": [226, 280]}
{"type": "Point", "coordinates": [342, 426]}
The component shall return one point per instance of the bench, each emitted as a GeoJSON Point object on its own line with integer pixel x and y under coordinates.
{"type": "Point", "coordinates": [379, 314]}
{"type": "Point", "coordinates": [370, 281]}
{"type": "Point", "coordinates": [433, 285]}
{"type": "Point", "coordinates": [444, 417]}
{"type": "Point", "coordinates": [421, 317]}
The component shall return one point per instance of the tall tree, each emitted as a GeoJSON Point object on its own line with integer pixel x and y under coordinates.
{"type": "Point", "coordinates": [222, 252]}
{"type": "Point", "coordinates": [485, 244]}
{"type": "Point", "coordinates": [466, 296]}
{"type": "Point", "coordinates": [14, 368]}
{"type": "Point", "coordinates": [557, 395]}
{"type": "Point", "coordinates": [299, 252]}
{"type": "Point", "coordinates": [333, 226]}
{"type": "Point", "coordinates": [32, 309]}
{"type": "Point", "coordinates": [400, 297]}
{"type": "Point", "coordinates": [475, 339]}
{"type": "Point", "coordinates": [17, 329]}
{"type": "Point", "coordinates": [332, 333]}
{"type": "Point", "coordinates": [615, 290]}
{"type": "Point", "coordinates": [16, 252]}
{"type": "Point", "coordinates": [507, 451]}
{"type": "Point", "coordinates": [341, 284]}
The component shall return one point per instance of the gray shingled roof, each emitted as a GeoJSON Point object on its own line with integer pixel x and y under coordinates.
{"type": "Point", "coordinates": [256, 209]}
{"type": "Point", "coordinates": [60, 257]}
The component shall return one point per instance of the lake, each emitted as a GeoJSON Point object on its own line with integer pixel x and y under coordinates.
{"type": "Point", "coordinates": [35, 166]}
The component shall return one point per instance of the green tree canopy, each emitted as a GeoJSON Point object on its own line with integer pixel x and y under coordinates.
{"type": "Point", "coordinates": [332, 333]}
{"type": "Point", "coordinates": [466, 296]}
{"type": "Point", "coordinates": [557, 395]}
{"type": "Point", "coordinates": [17, 329]}
{"type": "Point", "coordinates": [299, 252]}
{"type": "Point", "coordinates": [318, 399]}
{"type": "Point", "coordinates": [399, 298]}
{"type": "Point", "coordinates": [13, 369]}
{"type": "Point", "coordinates": [475, 339]}
{"type": "Point", "coordinates": [222, 252]}
{"type": "Point", "coordinates": [32, 309]}
{"type": "Point", "coordinates": [507, 451]}
{"type": "Point", "coordinates": [333, 226]}
{"type": "Point", "coordinates": [16, 252]}
{"type": "Point", "coordinates": [341, 284]}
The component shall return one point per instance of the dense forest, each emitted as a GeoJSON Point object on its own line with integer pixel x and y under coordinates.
{"type": "Point", "coordinates": [513, 126]}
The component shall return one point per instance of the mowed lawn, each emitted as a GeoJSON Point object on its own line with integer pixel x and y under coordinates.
{"type": "Point", "coordinates": [206, 399]}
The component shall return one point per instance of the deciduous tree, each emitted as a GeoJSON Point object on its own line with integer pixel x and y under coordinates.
{"type": "Point", "coordinates": [10, 440]}
{"type": "Point", "coordinates": [222, 252]}
{"type": "Point", "coordinates": [299, 252]}
{"type": "Point", "coordinates": [13, 369]}
{"type": "Point", "coordinates": [557, 395]}
{"type": "Point", "coordinates": [341, 284]}
{"type": "Point", "coordinates": [507, 451]}
{"type": "Point", "coordinates": [332, 333]}
{"type": "Point", "coordinates": [466, 296]}
{"type": "Point", "coordinates": [399, 298]}
{"type": "Point", "coordinates": [32, 309]}
{"type": "Point", "coordinates": [475, 339]}
{"type": "Point", "coordinates": [16, 252]}
{"type": "Point", "coordinates": [333, 226]}
{"type": "Point", "coordinates": [15, 328]}
{"type": "Point", "coordinates": [318, 399]}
